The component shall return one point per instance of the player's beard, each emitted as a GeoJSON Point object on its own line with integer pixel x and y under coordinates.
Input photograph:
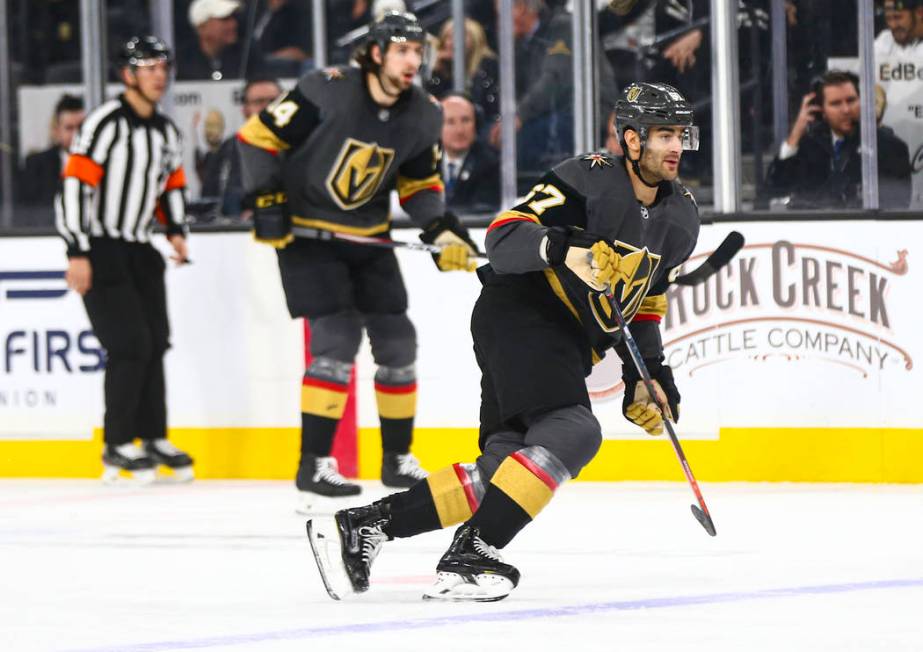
{"type": "Point", "coordinates": [654, 168]}
{"type": "Point", "coordinates": [393, 85]}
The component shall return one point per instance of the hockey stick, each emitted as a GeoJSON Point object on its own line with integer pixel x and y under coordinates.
{"type": "Point", "coordinates": [317, 234]}
{"type": "Point", "coordinates": [701, 511]}
{"type": "Point", "coordinates": [718, 259]}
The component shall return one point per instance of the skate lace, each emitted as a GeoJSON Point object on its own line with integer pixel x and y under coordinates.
{"type": "Point", "coordinates": [372, 540]}
{"type": "Point", "coordinates": [165, 447]}
{"type": "Point", "coordinates": [407, 464]}
{"type": "Point", "coordinates": [486, 550]}
{"type": "Point", "coordinates": [130, 451]}
{"type": "Point", "coordinates": [328, 471]}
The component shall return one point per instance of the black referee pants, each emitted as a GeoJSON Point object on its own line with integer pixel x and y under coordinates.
{"type": "Point", "coordinates": [127, 306]}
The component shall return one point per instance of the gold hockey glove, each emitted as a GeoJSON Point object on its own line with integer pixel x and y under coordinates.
{"type": "Point", "coordinates": [272, 223]}
{"type": "Point", "coordinates": [458, 250]}
{"type": "Point", "coordinates": [637, 404]}
{"type": "Point", "coordinates": [599, 266]}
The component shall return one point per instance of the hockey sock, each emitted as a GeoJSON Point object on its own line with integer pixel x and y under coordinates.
{"type": "Point", "coordinates": [323, 400]}
{"type": "Point", "coordinates": [521, 487]}
{"type": "Point", "coordinates": [396, 394]}
{"type": "Point", "coordinates": [448, 496]}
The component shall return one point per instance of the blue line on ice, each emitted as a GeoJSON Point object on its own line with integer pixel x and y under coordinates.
{"type": "Point", "coordinates": [506, 616]}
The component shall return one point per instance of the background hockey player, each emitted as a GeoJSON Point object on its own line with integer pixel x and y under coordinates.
{"type": "Point", "coordinates": [324, 158]}
{"type": "Point", "coordinates": [592, 223]}
{"type": "Point", "coordinates": [125, 166]}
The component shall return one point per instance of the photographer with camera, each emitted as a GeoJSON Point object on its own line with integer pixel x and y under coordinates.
{"type": "Point", "coordinates": [819, 166]}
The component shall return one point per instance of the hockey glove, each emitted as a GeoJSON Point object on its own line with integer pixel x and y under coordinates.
{"type": "Point", "coordinates": [591, 258]}
{"type": "Point", "coordinates": [638, 406]}
{"type": "Point", "coordinates": [272, 223]}
{"type": "Point", "coordinates": [458, 250]}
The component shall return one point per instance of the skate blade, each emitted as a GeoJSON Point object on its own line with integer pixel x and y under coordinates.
{"type": "Point", "coordinates": [325, 544]}
{"type": "Point", "coordinates": [114, 476]}
{"type": "Point", "coordinates": [452, 587]}
{"type": "Point", "coordinates": [179, 475]}
{"type": "Point", "coordinates": [312, 504]}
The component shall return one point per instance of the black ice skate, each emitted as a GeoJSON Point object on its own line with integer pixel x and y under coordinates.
{"type": "Point", "coordinates": [400, 470]}
{"type": "Point", "coordinates": [345, 546]}
{"type": "Point", "coordinates": [166, 454]}
{"type": "Point", "coordinates": [319, 478]}
{"type": "Point", "coordinates": [472, 571]}
{"type": "Point", "coordinates": [129, 458]}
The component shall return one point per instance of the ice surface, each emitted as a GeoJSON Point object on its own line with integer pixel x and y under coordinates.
{"type": "Point", "coordinates": [624, 566]}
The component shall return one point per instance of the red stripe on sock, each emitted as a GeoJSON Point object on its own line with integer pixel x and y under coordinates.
{"type": "Point", "coordinates": [396, 389]}
{"type": "Point", "coordinates": [646, 316]}
{"type": "Point", "coordinates": [535, 469]}
{"type": "Point", "coordinates": [315, 382]}
{"type": "Point", "coordinates": [465, 480]}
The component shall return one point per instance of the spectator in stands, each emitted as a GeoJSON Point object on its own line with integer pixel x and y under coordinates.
{"type": "Point", "coordinates": [213, 131]}
{"type": "Point", "coordinates": [282, 34]}
{"type": "Point", "coordinates": [217, 52]}
{"type": "Point", "coordinates": [544, 85]}
{"type": "Point", "coordinates": [904, 19]}
{"type": "Point", "coordinates": [41, 175]}
{"type": "Point", "coordinates": [819, 163]}
{"type": "Point", "coordinates": [481, 68]}
{"type": "Point", "coordinates": [612, 144]}
{"type": "Point", "coordinates": [470, 168]}
{"type": "Point", "coordinates": [222, 173]}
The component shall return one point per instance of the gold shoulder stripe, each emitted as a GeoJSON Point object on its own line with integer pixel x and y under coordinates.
{"type": "Point", "coordinates": [255, 133]}
{"type": "Point", "coordinates": [407, 186]}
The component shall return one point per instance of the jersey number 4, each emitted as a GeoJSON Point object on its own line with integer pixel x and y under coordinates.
{"type": "Point", "coordinates": [282, 112]}
{"type": "Point", "coordinates": [553, 197]}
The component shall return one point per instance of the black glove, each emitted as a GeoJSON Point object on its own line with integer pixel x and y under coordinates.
{"type": "Point", "coordinates": [458, 250]}
{"type": "Point", "coordinates": [272, 223]}
{"type": "Point", "coordinates": [638, 406]}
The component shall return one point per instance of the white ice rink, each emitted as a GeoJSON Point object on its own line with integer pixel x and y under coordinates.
{"type": "Point", "coordinates": [226, 566]}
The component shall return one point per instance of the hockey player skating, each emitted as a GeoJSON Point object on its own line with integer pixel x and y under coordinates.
{"type": "Point", "coordinates": [592, 223]}
{"type": "Point", "coordinates": [125, 166]}
{"type": "Point", "coordinates": [324, 158]}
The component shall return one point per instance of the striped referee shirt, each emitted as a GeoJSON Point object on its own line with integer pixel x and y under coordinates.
{"type": "Point", "coordinates": [122, 172]}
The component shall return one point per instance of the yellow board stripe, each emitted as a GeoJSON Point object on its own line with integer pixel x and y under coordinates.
{"type": "Point", "coordinates": [449, 497]}
{"type": "Point", "coordinates": [523, 486]}
{"type": "Point", "coordinates": [407, 186]}
{"type": "Point", "coordinates": [396, 406]}
{"type": "Point", "coordinates": [323, 402]}
{"type": "Point", "coordinates": [255, 133]}
{"type": "Point", "coordinates": [324, 225]}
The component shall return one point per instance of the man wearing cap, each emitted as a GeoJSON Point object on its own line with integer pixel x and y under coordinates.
{"type": "Point", "coordinates": [899, 69]}
{"type": "Point", "coordinates": [217, 52]}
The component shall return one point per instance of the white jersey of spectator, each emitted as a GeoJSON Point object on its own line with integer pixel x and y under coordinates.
{"type": "Point", "coordinates": [900, 75]}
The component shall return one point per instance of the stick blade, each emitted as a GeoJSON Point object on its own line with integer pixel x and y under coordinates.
{"type": "Point", "coordinates": [705, 520]}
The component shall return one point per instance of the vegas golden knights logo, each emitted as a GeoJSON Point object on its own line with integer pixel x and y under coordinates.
{"type": "Point", "coordinates": [358, 172]}
{"type": "Point", "coordinates": [633, 93]}
{"type": "Point", "coordinates": [629, 293]}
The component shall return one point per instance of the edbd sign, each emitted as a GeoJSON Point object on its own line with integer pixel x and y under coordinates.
{"type": "Point", "coordinates": [792, 301]}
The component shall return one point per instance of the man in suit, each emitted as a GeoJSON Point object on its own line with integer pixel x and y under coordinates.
{"type": "Point", "coordinates": [470, 168]}
{"type": "Point", "coordinates": [819, 165]}
{"type": "Point", "coordinates": [42, 171]}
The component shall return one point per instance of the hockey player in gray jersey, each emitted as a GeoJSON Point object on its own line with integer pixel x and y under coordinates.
{"type": "Point", "coordinates": [324, 157]}
{"type": "Point", "coordinates": [592, 224]}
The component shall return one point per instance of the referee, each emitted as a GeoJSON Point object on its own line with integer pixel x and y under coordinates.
{"type": "Point", "coordinates": [125, 169]}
